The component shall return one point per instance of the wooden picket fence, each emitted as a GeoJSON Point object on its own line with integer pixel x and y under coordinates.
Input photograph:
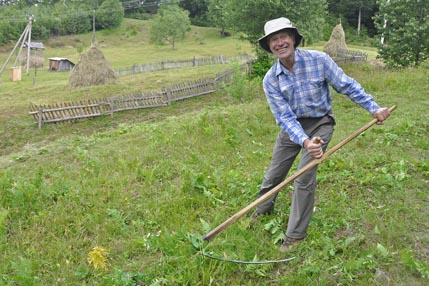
{"type": "Point", "coordinates": [348, 56]}
{"type": "Point", "coordinates": [135, 101]}
{"type": "Point", "coordinates": [73, 111]}
{"type": "Point", "coordinates": [195, 62]}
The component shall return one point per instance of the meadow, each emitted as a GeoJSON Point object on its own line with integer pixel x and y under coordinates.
{"type": "Point", "coordinates": [126, 200]}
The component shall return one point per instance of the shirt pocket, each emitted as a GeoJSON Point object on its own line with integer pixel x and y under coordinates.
{"type": "Point", "coordinates": [287, 90]}
{"type": "Point", "coordinates": [312, 92]}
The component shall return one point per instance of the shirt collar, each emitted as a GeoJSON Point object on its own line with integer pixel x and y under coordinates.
{"type": "Point", "coordinates": [279, 68]}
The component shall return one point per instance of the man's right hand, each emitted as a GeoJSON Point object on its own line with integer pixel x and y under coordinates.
{"type": "Point", "coordinates": [381, 114]}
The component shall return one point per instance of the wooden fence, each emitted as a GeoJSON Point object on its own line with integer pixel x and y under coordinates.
{"type": "Point", "coordinates": [195, 62]}
{"type": "Point", "coordinates": [348, 56]}
{"type": "Point", "coordinates": [67, 111]}
{"type": "Point", "coordinates": [73, 111]}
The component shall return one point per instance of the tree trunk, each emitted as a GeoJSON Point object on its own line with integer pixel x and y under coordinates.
{"type": "Point", "coordinates": [359, 19]}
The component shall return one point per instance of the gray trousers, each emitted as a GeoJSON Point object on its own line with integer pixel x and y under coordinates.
{"type": "Point", "coordinates": [284, 154]}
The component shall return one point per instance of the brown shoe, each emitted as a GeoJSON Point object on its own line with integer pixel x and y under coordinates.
{"type": "Point", "coordinates": [289, 243]}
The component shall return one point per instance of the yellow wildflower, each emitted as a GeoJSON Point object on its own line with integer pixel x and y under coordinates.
{"type": "Point", "coordinates": [98, 257]}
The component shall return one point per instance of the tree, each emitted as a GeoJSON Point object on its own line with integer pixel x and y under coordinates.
{"type": "Point", "coordinates": [76, 22]}
{"type": "Point", "coordinates": [217, 14]}
{"type": "Point", "coordinates": [170, 25]}
{"type": "Point", "coordinates": [8, 32]}
{"type": "Point", "coordinates": [404, 24]}
{"type": "Point", "coordinates": [109, 15]}
{"type": "Point", "coordinates": [357, 13]}
{"type": "Point", "coordinates": [151, 6]}
{"type": "Point", "coordinates": [197, 11]}
{"type": "Point", "coordinates": [249, 16]}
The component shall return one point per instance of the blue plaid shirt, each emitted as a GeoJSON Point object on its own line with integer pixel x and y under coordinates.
{"type": "Point", "coordinates": [305, 92]}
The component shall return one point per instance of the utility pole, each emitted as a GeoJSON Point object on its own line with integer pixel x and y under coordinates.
{"type": "Point", "coordinates": [359, 20]}
{"type": "Point", "coordinates": [384, 27]}
{"type": "Point", "coordinates": [94, 39]}
{"type": "Point", "coordinates": [27, 32]}
{"type": "Point", "coordinates": [30, 21]}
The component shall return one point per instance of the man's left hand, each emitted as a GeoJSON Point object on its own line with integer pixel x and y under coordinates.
{"type": "Point", "coordinates": [381, 114]}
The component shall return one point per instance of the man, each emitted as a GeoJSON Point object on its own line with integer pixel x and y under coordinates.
{"type": "Point", "coordinates": [297, 91]}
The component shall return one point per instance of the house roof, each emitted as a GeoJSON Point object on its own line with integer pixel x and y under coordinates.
{"type": "Point", "coordinates": [60, 59]}
{"type": "Point", "coordinates": [34, 45]}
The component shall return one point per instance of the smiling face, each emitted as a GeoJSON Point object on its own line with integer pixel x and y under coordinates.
{"type": "Point", "coordinates": [282, 45]}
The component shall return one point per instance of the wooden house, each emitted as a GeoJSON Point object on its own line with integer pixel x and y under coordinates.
{"type": "Point", "coordinates": [34, 45]}
{"type": "Point", "coordinates": [60, 64]}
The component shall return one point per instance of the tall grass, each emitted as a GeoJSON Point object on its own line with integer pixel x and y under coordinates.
{"type": "Point", "coordinates": [145, 186]}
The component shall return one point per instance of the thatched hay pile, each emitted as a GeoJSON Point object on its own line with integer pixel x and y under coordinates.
{"type": "Point", "coordinates": [37, 58]}
{"type": "Point", "coordinates": [336, 42]}
{"type": "Point", "coordinates": [92, 69]}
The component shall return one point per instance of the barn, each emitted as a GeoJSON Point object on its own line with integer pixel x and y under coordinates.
{"type": "Point", "coordinates": [60, 64]}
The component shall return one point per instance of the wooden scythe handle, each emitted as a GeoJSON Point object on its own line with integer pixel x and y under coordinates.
{"type": "Point", "coordinates": [276, 189]}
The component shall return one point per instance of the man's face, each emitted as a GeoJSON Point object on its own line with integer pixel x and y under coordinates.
{"type": "Point", "coordinates": [282, 44]}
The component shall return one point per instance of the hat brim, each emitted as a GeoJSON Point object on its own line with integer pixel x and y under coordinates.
{"type": "Point", "coordinates": [263, 42]}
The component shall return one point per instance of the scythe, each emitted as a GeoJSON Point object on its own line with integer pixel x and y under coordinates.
{"type": "Point", "coordinates": [209, 236]}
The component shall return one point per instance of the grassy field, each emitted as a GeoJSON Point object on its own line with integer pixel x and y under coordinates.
{"type": "Point", "coordinates": [126, 200]}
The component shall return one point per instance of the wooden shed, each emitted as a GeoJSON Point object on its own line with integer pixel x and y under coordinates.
{"type": "Point", "coordinates": [60, 64]}
{"type": "Point", "coordinates": [34, 45]}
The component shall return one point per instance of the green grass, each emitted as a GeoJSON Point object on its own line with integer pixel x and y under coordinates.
{"type": "Point", "coordinates": [122, 49]}
{"type": "Point", "coordinates": [147, 185]}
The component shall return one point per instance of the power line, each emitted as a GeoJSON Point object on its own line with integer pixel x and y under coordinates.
{"type": "Point", "coordinates": [129, 5]}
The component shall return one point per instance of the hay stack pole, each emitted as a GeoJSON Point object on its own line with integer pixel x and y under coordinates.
{"type": "Point", "coordinates": [92, 68]}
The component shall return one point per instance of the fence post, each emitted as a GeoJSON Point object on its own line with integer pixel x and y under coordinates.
{"type": "Point", "coordinates": [40, 119]}
{"type": "Point", "coordinates": [166, 93]}
{"type": "Point", "coordinates": [112, 106]}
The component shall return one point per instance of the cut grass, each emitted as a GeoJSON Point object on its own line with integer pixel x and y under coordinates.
{"type": "Point", "coordinates": [147, 184]}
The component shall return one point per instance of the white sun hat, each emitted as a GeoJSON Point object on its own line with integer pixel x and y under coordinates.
{"type": "Point", "coordinates": [274, 26]}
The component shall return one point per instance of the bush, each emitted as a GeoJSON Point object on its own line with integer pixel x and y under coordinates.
{"type": "Point", "coordinates": [109, 15]}
{"type": "Point", "coordinates": [8, 32]}
{"type": "Point", "coordinates": [262, 64]}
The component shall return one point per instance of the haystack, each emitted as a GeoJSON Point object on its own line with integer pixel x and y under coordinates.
{"type": "Point", "coordinates": [92, 69]}
{"type": "Point", "coordinates": [37, 59]}
{"type": "Point", "coordinates": [336, 42]}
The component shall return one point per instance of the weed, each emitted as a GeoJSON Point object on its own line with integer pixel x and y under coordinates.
{"type": "Point", "coordinates": [97, 257]}
{"type": "Point", "coordinates": [415, 264]}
